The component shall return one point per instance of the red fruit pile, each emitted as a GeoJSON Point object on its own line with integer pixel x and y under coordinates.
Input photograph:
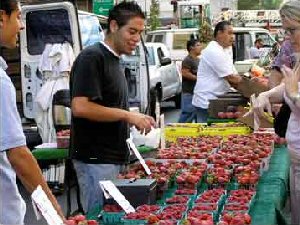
{"type": "Point", "coordinates": [63, 133]}
{"type": "Point", "coordinates": [112, 208]}
{"type": "Point", "coordinates": [178, 199]}
{"type": "Point", "coordinates": [185, 192]}
{"type": "Point", "coordinates": [229, 115]}
{"type": "Point", "coordinates": [172, 212]}
{"type": "Point", "coordinates": [235, 218]}
{"type": "Point", "coordinates": [240, 196]}
{"type": "Point", "coordinates": [210, 196]}
{"type": "Point", "coordinates": [148, 208]}
{"type": "Point", "coordinates": [200, 218]}
{"type": "Point", "coordinates": [80, 220]}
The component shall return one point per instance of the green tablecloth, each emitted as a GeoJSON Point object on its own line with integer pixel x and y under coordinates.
{"type": "Point", "coordinates": [50, 153]}
{"type": "Point", "coordinates": [62, 153]}
{"type": "Point", "coordinates": [272, 190]}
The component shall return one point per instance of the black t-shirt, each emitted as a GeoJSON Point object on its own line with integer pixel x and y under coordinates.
{"type": "Point", "coordinates": [192, 65]}
{"type": "Point", "coordinates": [97, 74]}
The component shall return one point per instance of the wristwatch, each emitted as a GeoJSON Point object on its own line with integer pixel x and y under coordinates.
{"type": "Point", "coordinates": [295, 98]}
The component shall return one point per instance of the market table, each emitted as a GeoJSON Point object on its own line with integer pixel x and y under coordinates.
{"type": "Point", "coordinates": [272, 192]}
{"type": "Point", "coordinates": [58, 154]}
{"type": "Point", "coordinates": [50, 154]}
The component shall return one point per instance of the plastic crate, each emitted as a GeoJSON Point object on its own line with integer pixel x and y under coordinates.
{"type": "Point", "coordinates": [225, 131]}
{"type": "Point", "coordinates": [112, 217]}
{"type": "Point", "coordinates": [63, 141]}
{"type": "Point", "coordinates": [173, 132]}
{"type": "Point", "coordinates": [134, 222]}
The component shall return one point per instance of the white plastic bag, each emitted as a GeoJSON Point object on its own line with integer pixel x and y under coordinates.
{"type": "Point", "coordinates": [153, 138]}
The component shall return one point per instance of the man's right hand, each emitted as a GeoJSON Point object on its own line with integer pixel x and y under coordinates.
{"type": "Point", "coordinates": [142, 122]}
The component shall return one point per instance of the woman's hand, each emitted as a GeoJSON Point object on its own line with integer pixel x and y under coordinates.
{"type": "Point", "coordinates": [261, 103]}
{"type": "Point", "coordinates": [291, 79]}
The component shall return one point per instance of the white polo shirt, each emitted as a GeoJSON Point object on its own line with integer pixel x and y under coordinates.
{"type": "Point", "coordinates": [12, 206]}
{"type": "Point", "coordinates": [215, 64]}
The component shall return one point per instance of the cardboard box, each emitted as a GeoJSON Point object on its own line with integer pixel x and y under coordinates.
{"type": "Point", "coordinates": [221, 104]}
{"type": "Point", "coordinates": [248, 86]}
{"type": "Point", "coordinates": [264, 122]}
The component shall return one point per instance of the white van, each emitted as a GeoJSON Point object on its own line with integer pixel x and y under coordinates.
{"type": "Point", "coordinates": [58, 23]}
{"type": "Point", "coordinates": [175, 40]}
{"type": "Point", "coordinates": [245, 38]}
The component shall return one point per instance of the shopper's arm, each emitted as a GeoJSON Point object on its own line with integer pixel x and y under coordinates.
{"type": "Point", "coordinates": [275, 78]}
{"type": "Point", "coordinates": [187, 74]}
{"type": "Point", "coordinates": [233, 79]}
{"type": "Point", "coordinates": [82, 107]}
{"type": "Point", "coordinates": [264, 99]}
{"type": "Point", "coordinates": [29, 173]}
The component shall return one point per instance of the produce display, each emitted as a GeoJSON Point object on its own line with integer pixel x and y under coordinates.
{"type": "Point", "coordinates": [80, 220]}
{"type": "Point", "coordinates": [203, 180]}
{"type": "Point", "coordinates": [63, 138]}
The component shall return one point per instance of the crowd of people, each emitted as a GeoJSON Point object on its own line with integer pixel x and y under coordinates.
{"type": "Point", "coordinates": [100, 108]}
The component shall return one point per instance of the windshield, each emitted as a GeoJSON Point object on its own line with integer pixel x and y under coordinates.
{"type": "Point", "coordinates": [151, 59]}
{"type": "Point", "coordinates": [90, 29]}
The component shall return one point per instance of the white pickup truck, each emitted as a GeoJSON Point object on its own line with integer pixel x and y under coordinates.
{"type": "Point", "coordinates": [165, 79]}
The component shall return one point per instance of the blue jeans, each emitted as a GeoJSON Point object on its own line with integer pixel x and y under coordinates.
{"type": "Point", "coordinates": [188, 111]}
{"type": "Point", "coordinates": [202, 115]}
{"type": "Point", "coordinates": [88, 176]}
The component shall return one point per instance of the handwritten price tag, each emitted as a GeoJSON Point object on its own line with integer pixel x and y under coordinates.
{"type": "Point", "coordinates": [138, 155]}
{"type": "Point", "coordinates": [45, 207]}
{"type": "Point", "coordinates": [111, 190]}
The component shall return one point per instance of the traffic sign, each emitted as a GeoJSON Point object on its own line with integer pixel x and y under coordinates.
{"type": "Point", "coordinates": [102, 7]}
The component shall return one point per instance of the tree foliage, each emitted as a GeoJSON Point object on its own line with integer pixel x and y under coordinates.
{"type": "Point", "coordinates": [205, 32]}
{"type": "Point", "coordinates": [258, 4]}
{"type": "Point", "coordinates": [154, 15]}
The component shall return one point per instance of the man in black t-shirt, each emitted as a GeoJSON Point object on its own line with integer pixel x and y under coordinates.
{"type": "Point", "coordinates": [189, 70]}
{"type": "Point", "coordinates": [100, 116]}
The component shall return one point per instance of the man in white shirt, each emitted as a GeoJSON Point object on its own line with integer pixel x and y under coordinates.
{"type": "Point", "coordinates": [216, 72]}
{"type": "Point", "coordinates": [256, 50]}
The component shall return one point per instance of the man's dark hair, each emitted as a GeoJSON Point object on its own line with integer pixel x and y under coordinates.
{"type": "Point", "coordinates": [123, 12]}
{"type": "Point", "coordinates": [258, 40]}
{"type": "Point", "coordinates": [191, 43]}
{"type": "Point", "coordinates": [8, 6]}
{"type": "Point", "coordinates": [221, 26]}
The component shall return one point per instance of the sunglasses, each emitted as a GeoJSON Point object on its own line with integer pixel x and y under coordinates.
{"type": "Point", "coordinates": [291, 31]}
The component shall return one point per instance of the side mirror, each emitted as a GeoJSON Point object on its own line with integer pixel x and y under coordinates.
{"type": "Point", "coordinates": [165, 61]}
{"type": "Point", "coordinates": [267, 46]}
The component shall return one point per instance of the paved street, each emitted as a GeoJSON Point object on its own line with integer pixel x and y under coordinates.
{"type": "Point", "coordinates": [171, 116]}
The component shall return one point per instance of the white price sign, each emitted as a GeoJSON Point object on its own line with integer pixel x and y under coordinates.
{"type": "Point", "coordinates": [138, 155]}
{"type": "Point", "coordinates": [45, 207]}
{"type": "Point", "coordinates": [110, 189]}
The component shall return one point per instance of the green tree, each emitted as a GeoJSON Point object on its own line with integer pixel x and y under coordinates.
{"type": "Point", "coordinates": [205, 32]}
{"type": "Point", "coordinates": [154, 15]}
{"type": "Point", "coordinates": [258, 4]}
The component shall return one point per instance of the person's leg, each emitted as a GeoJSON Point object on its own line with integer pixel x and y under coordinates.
{"type": "Point", "coordinates": [84, 181]}
{"type": "Point", "coordinates": [101, 172]}
{"type": "Point", "coordinates": [187, 109]}
{"type": "Point", "coordinates": [88, 176]}
{"type": "Point", "coordinates": [202, 115]}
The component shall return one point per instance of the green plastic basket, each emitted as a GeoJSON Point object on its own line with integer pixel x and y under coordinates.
{"type": "Point", "coordinates": [134, 222]}
{"type": "Point", "coordinates": [112, 217]}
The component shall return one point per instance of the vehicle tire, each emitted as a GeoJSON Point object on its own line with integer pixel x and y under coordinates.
{"type": "Point", "coordinates": [154, 98]}
{"type": "Point", "coordinates": [177, 100]}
